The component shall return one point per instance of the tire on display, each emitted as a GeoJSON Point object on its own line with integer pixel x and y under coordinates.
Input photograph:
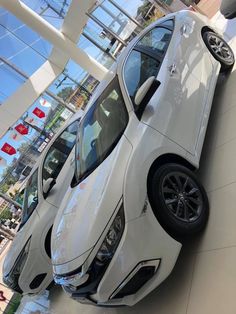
{"type": "Point", "coordinates": [220, 50]}
{"type": "Point", "coordinates": [179, 201]}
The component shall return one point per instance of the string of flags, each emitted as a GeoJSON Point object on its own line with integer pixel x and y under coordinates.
{"type": "Point", "coordinates": [21, 130]}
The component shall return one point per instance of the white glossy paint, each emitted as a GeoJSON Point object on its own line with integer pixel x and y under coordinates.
{"type": "Point", "coordinates": [56, 37]}
{"type": "Point", "coordinates": [38, 226]}
{"type": "Point", "coordinates": [174, 122]}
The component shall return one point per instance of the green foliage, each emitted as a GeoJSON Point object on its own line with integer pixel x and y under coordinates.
{"type": "Point", "coordinates": [24, 147]}
{"type": "Point", "coordinates": [6, 214]}
{"type": "Point", "coordinates": [14, 304]}
{"type": "Point", "coordinates": [143, 9]}
{"type": "Point", "coordinates": [65, 93]}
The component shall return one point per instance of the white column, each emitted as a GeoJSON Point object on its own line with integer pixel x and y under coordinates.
{"type": "Point", "coordinates": [19, 102]}
{"type": "Point", "coordinates": [54, 36]}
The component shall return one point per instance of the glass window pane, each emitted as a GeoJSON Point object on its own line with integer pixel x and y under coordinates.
{"type": "Point", "coordinates": [95, 52]}
{"type": "Point", "coordinates": [10, 81]}
{"type": "Point", "coordinates": [52, 11]}
{"type": "Point", "coordinates": [25, 35]}
{"type": "Point", "coordinates": [30, 197]}
{"type": "Point", "coordinates": [139, 67]}
{"type": "Point", "coordinates": [59, 152]}
{"type": "Point", "coordinates": [101, 128]}
{"type": "Point", "coordinates": [156, 41]}
{"type": "Point", "coordinates": [130, 6]}
{"type": "Point", "coordinates": [115, 20]}
{"type": "Point", "coordinates": [23, 56]}
{"type": "Point", "coordinates": [72, 92]}
{"type": "Point", "coordinates": [75, 71]}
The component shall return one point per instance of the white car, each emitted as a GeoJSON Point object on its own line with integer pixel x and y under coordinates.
{"type": "Point", "coordinates": [27, 266]}
{"type": "Point", "coordinates": [134, 196]}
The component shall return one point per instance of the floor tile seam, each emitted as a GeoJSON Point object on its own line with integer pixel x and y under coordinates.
{"type": "Point", "coordinates": [191, 283]}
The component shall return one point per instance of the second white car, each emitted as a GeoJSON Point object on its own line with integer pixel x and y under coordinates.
{"type": "Point", "coordinates": [27, 266]}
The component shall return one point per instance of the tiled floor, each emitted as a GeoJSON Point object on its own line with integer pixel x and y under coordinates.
{"type": "Point", "coordinates": [204, 279]}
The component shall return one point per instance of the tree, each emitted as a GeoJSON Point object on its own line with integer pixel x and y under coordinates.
{"type": "Point", "coordinates": [6, 214]}
{"type": "Point", "coordinates": [65, 93]}
{"type": "Point", "coordinates": [144, 8]}
{"type": "Point", "coordinates": [23, 147]}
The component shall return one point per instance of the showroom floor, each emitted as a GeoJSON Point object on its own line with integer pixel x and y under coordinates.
{"type": "Point", "coordinates": [204, 279]}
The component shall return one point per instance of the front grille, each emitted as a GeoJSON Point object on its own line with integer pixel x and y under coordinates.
{"type": "Point", "coordinates": [136, 282]}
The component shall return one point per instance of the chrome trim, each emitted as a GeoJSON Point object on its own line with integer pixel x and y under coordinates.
{"type": "Point", "coordinates": [72, 280]}
{"type": "Point", "coordinates": [155, 263]}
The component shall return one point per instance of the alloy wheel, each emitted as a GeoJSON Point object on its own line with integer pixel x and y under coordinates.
{"type": "Point", "coordinates": [182, 197]}
{"type": "Point", "coordinates": [220, 48]}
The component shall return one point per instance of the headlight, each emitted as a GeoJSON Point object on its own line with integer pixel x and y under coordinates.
{"type": "Point", "coordinates": [92, 276]}
{"type": "Point", "coordinates": [20, 262]}
{"type": "Point", "coordinates": [12, 278]}
{"type": "Point", "coordinates": [112, 239]}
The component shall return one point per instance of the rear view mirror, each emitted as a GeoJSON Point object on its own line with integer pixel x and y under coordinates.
{"type": "Point", "coordinates": [48, 185]}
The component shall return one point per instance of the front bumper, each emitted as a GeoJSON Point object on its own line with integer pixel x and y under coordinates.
{"type": "Point", "coordinates": [145, 256]}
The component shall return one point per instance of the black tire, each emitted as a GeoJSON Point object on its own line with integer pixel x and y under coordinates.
{"type": "Point", "coordinates": [173, 204]}
{"type": "Point", "coordinates": [223, 54]}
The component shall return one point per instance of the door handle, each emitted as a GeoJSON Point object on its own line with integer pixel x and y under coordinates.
{"type": "Point", "coordinates": [172, 69]}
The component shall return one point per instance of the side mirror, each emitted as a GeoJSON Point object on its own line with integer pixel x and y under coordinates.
{"type": "Point", "coordinates": [144, 94]}
{"type": "Point", "coordinates": [143, 89]}
{"type": "Point", "coordinates": [48, 185]}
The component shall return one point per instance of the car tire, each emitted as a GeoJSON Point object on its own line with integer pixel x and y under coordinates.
{"type": "Point", "coordinates": [220, 50]}
{"type": "Point", "coordinates": [179, 201]}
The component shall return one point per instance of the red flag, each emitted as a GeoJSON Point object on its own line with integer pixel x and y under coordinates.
{"type": "Point", "coordinates": [39, 113]}
{"type": "Point", "coordinates": [22, 129]}
{"type": "Point", "coordinates": [8, 149]}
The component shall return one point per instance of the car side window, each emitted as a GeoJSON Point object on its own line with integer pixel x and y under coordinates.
{"type": "Point", "coordinates": [168, 23]}
{"type": "Point", "coordinates": [156, 41]}
{"type": "Point", "coordinates": [145, 59]}
{"type": "Point", "coordinates": [59, 152]}
{"type": "Point", "coordinates": [139, 67]}
{"type": "Point", "coordinates": [30, 197]}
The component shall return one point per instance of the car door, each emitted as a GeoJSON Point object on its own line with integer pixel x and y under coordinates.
{"type": "Point", "coordinates": [176, 108]}
{"type": "Point", "coordinates": [187, 70]}
{"type": "Point", "coordinates": [59, 164]}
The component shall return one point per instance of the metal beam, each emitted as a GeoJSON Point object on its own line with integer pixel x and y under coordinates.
{"type": "Point", "coordinates": [98, 46]}
{"type": "Point", "coordinates": [107, 29]}
{"type": "Point", "coordinates": [9, 200]}
{"type": "Point", "coordinates": [53, 35]}
{"type": "Point", "coordinates": [26, 77]}
{"type": "Point", "coordinates": [125, 13]}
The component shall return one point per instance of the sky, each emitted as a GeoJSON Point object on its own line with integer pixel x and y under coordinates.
{"type": "Point", "coordinates": [15, 38]}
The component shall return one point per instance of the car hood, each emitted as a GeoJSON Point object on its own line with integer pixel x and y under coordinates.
{"type": "Point", "coordinates": [87, 208]}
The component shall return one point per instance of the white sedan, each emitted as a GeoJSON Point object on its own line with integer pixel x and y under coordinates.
{"type": "Point", "coordinates": [27, 267]}
{"type": "Point", "coordinates": [135, 197]}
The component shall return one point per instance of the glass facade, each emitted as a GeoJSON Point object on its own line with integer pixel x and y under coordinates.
{"type": "Point", "coordinates": [23, 51]}
{"type": "Point", "coordinates": [18, 41]}
{"type": "Point", "coordinates": [10, 81]}
{"type": "Point", "coordinates": [53, 11]}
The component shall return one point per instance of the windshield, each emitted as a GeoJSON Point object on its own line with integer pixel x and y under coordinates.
{"type": "Point", "coordinates": [100, 129]}
{"type": "Point", "coordinates": [30, 197]}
